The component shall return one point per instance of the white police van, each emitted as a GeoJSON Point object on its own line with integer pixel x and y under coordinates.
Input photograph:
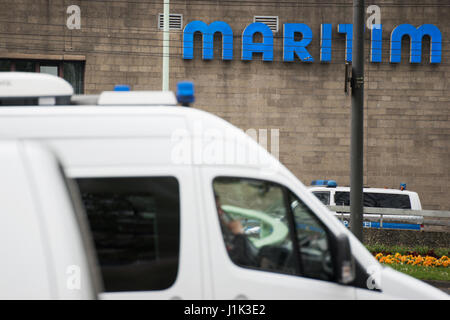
{"type": "Point", "coordinates": [166, 190]}
{"type": "Point", "coordinates": [331, 194]}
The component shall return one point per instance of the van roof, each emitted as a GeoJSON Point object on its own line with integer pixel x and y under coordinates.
{"type": "Point", "coordinates": [95, 121]}
{"type": "Point", "coordinates": [175, 122]}
{"type": "Point", "coordinates": [373, 190]}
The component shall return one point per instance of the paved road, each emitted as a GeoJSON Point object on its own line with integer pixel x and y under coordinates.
{"type": "Point", "coordinates": [442, 285]}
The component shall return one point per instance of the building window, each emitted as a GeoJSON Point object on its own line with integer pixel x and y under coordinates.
{"type": "Point", "coordinates": [135, 223]}
{"type": "Point", "coordinates": [71, 71]}
{"type": "Point", "coordinates": [175, 21]}
{"type": "Point", "coordinates": [49, 69]}
{"type": "Point", "coordinates": [271, 21]}
{"type": "Point", "coordinates": [24, 66]}
{"type": "Point", "coordinates": [5, 65]}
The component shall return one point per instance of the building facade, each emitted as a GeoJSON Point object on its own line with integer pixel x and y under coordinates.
{"type": "Point", "coordinates": [290, 78]}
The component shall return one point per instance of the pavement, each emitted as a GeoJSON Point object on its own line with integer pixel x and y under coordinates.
{"type": "Point", "coordinates": [442, 285]}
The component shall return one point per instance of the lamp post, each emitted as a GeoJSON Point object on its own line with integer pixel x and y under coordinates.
{"type": "Point", "coordinates": [166, 47]}
{"type": "Point", "coordinates": [357, 122]}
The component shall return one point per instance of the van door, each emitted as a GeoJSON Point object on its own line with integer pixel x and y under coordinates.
{"type": "Point", "coordinates": [70, 254]}
{"type": "Point", "coordinates": [40, 240]}
{"type": "Point", "coordinates": [264, 242]}
{"type": "Point", "coordinates": [137, 219]}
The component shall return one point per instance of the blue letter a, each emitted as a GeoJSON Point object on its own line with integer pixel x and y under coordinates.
{"type": "Point", "coordinates": [248, 46]}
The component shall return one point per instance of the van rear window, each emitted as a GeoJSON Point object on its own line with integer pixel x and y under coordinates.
{"type": "Point", "coordinates": [377, 200]}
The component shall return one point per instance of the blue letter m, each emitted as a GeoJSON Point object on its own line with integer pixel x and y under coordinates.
{"type": "Point", "coordinates": [416, 36]}
{"type": "Point", "coordinates": [208, 39]}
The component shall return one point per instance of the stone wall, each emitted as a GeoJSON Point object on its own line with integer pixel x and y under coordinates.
{"type": "Point", "coordinates": [408, 238]}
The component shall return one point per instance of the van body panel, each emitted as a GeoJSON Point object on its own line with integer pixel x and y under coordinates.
{"type": "Point", "coordinates": [38, 219]}
{"type": "Point", "coordinates": [22, 240]}
{"type": "Point", "coordinates": [69, 265]}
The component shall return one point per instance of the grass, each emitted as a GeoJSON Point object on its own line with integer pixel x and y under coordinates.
{"type": "Point", "coordinates": [423, 273]}
{"type": "Point", "coordinates": [419, 272]}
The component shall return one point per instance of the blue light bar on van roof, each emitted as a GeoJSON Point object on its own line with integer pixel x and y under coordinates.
{"type": "Point", "coordinates": [185, 93]}
{"type": "Point", "coordinates": [327, 183]}
{"type": "Point", "coordinates": [122, 87]}
{"type": "Point", "coordinates": [402, 186]}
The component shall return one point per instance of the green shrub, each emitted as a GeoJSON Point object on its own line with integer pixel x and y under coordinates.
{"type": "Point", "coordinates": [405, 250]}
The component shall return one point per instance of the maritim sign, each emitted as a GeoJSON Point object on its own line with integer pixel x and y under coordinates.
{"type": "Point", "coordinates": [292, 47]}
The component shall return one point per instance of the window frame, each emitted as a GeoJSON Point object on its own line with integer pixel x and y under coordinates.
{"type": "Point", "coordinates": [49, 62]}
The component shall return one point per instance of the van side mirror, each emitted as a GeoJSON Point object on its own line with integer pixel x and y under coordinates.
{"type": "Point", "coordinates": [345, 264]}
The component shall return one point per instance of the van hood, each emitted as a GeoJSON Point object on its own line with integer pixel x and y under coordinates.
{"type": "Point", "coordinates": [397, 285]}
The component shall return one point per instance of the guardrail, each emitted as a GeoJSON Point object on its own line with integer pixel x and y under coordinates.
{"type": "Point", "coordinates": [418, 217]}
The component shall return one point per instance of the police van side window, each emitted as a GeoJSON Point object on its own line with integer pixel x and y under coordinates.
{"type": "Point", "coordinates": [323, 196]}
{"type": "Point", "coordinates": [386, 200]}
{"type": "Point", "coordinates": [342, 198]}
{"type": "Point", "coordinates": [376, 200]}
{"type": "Point", "coordinates": [135, 223]}
{"type": "Point", "coordinates": [266, 227]}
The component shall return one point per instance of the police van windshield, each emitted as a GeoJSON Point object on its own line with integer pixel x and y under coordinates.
{"type": "Point", "coordinates": [378, 200]}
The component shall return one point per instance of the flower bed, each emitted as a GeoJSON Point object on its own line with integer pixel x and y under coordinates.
{"type": "Point", "coordinates": [415, 260]}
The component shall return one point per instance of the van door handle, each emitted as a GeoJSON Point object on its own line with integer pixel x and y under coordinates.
{"type": "Point", "coordinates": [241, 297]}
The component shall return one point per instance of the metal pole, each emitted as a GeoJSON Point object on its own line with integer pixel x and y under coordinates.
{"type": "Point", "coordinates": [357, 123]}
{"type": "Point", "coordinates": [166, 47]}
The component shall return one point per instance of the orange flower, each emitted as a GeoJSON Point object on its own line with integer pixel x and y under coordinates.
{"type": "Point", "coordinates": [427, 261]}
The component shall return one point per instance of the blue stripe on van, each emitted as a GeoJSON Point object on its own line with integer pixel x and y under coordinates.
{"type": "Point", "coordinates": [388, 225]}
